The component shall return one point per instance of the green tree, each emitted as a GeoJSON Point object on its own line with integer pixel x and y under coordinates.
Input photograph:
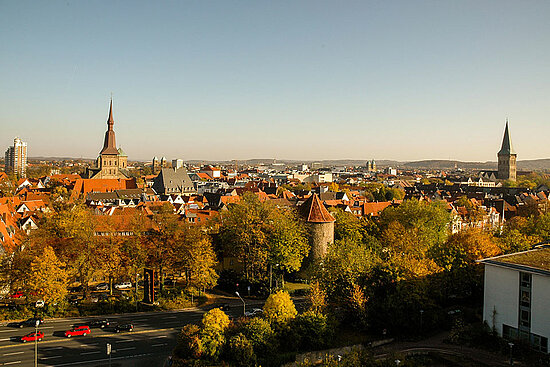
{"type": "Point", "coordinates": [241, 351]}
{"type": "Point", "coordinates": [279, 308]}
{"type": "Point", "coordinates": [261, 335]}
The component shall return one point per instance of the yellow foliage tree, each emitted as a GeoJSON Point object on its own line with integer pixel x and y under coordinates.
{"type": "Point", "coordinates": [47, 277]}
{"type": "Point", "coordinates": [279, 307]}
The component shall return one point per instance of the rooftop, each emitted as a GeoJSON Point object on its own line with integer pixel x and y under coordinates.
{"type": "Point", "coordinates": [537, 260]}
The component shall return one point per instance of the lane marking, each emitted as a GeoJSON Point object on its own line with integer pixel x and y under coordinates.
{"type": "Point", "coordinates": [160, 336]}
{"type": "Point", "coordinates": [15, 362]}
{"type": "Point", "coordinates": [125, 341]}
{"type": "Point", "coordinates": [93, 352]}
{"type": "Point", "coordinates": [90, 345]}
{"type": "Point", "coordinates": [171, 317]}
{"type": "Point", "coordinates": [159, 345]}
{"type": "Point", "coordinates": [66, 340]}
{"type": "Point", "coordinates": [122, 349]}
{"type": "Point", "coordinates": [52, 348]}
{"type": "Point", "coordinates": [13, 353]}
{"type": "Point", "coordinates": [52, 357]}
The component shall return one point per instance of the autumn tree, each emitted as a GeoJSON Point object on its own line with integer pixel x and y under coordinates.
{"type": "Point", "coordinates": [213, 326]}
{"type": "Point", "coordinates": [47, 277]}
{"type": "Point", "coordinates": [279, 308]}
{"type": "Point", "coordinates": [258, 234]}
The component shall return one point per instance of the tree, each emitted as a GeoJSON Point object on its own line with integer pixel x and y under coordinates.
{"type": "Point", "coordinates": [317, 297]}
{"type": "Point", "coordinates": [261, 335]}
{"type": "Point", "coordinates": [47, 277]}
{"type": "Point", "coordinates": [259, 233]}
{"type": "Point", "coordinates": [462, 249]}
{"type": "Point", "coordinates": [279, 308]}
{"type": "Point", "coordinates": [241, 351]}
{"type": "Point", "coordinates": [214, 324]}
{"type": "Point", "coordinates": [189, 343]}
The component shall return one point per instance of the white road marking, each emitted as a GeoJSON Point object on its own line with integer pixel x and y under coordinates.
{"type": "Point", "coordinates": [125, 341]}
{"type": "Point", "coordinates": [5, 339]}
{"type": "Point", "coordinates": [15, 362]}
{"type": "Point", "coordinates": [94, 352]}
{"type": "Point", "coordinates": [52, 357]}
{"type": "Point", "coordinates": [159, 345]}
{"type": "Point", "coordinates": [121, 349]}
{"type": "Point", "coordinates": [170, 317]}
{"type": "Point", "coordinates": [158, 337]}
{"type": "Point", "coordinates": [51, 348]}
{"type": "Point", "coordinates": [89, 345]}
{"type": "Point", "coordinates": [13, 353]}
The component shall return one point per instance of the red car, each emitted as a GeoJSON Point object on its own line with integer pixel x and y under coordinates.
{"type": "Point", "coordinates": [30, 337]}
{"type": "Point", "coordinates": [17, 295]}
{"type": "Point", "coordinates": [80, 330]}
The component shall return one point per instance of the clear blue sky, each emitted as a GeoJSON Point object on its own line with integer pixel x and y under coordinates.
{"type": "Point", "coordinates": [402, 80]}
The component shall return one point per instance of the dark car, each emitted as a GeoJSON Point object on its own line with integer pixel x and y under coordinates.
{"type": "Point", "coordinates": [28, 323]}
{"type": "Point", "coordinates": [99, 323]}
{"type": "Point", "coordinates": [124, 327]}
{"type": "Point", "coordinates": [77, 289]}
{"type": "Point", "coordinates": [224, 307]}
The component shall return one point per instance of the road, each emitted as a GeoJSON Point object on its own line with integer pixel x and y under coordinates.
{"type": "Point", "coordinates": [150, 343]}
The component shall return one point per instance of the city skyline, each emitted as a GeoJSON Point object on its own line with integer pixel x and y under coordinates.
{"type": "Point", "coordinates": [291, 81]}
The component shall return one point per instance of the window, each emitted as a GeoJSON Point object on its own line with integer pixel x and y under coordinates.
{"type": "Point", "coordinates": [525, 280]}
{"type": "Point", "coordinates": [509, 332]}
{"type": "Point", "coordinates": [525, 298]}
{"type": "Point", "coordinates": [524, 318]}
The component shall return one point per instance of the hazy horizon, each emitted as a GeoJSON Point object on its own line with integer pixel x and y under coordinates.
{"type": "Point", "coordinates": [308, 80]}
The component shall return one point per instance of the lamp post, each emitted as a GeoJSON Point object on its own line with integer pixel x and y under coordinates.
{"type": "Point", "coordinates": [36, 342]}
{"type": "Point", "coordinates": [244, 304]}
{"type": "Point", "coordinates": [397, 361]}
{"type": "Point", "coordinates": [511, 359]}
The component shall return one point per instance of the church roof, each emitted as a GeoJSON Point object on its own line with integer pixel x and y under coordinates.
{"type": "Point", "coordinates": [314, 211]}
{"type": "Point", "coordinates": [121, 152]}
{"type": "Point", "coordinates": [507, 147]}
{"type": "Point", "coordinates": [109, 145]}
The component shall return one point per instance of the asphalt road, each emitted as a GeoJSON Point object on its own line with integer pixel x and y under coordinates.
{"type": "Point", "coordinates": [149, 345]}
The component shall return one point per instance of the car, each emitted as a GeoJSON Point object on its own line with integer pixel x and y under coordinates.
{"type": "Point", "coordinates": [29, 322]}
{"type": "Point", "coordinates": [76, 289]}
{"type": "Point", "coordinates": [30, 337]}
{"type": "Point", "coordinates": [123, 285]}
{"type": "Point", "coordinates": [18, 294]}
{"type": "Point", "coordinates": [39, 303]}
{"type": "Point", "coordinates": [102, 287]}
{"type": "Point", "coordinates": [254, 312]}
{"type": "Point", "coordinates": [124, 327]}
{"type": "Point", "coordinates": [224, 307]}
{"type": "Point", "coordinates": [79, 330]}
{"type": "Point", "coordinates": [100, 323]}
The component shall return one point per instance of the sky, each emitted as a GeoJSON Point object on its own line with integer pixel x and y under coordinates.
{"type": "Point", "coordinates": [302, 80]}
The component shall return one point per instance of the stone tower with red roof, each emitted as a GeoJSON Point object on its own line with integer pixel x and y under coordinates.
{"type": "Point", "coordinates": [321, 227]}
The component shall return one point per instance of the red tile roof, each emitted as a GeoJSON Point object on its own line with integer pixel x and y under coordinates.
{"type": "Point", "coordinates": [314, 211]}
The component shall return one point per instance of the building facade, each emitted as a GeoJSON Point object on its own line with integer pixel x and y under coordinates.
{"type": "Point", "coordinates": [112, 162]}
{"type": "Point", "coordinates": [517, 296]}
{"type": "Point", "coordinates": [16, 158]}
{"type": "Point", "coordinates": [507, 158]}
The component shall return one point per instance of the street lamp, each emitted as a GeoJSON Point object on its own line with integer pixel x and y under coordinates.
{"type": "Point", "coordinates": [244, 304]}
{"type": "Point", "coordinates": [511, 360]}
{"type": "Point", "coordinates": [397, 361]}
{"type": "Point", "coordinates": [37, 322]}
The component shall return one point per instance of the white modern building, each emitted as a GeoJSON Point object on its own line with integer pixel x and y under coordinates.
{"type": "Point", "coordinates": [16, 158]}
{"type": "Point", "coordinates": [517, 296]}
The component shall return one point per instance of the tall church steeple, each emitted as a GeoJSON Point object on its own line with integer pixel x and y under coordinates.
{"type": "Point", "coordinates": [109, 145]}
{"type": "Point", "coordinates": [507, 169]}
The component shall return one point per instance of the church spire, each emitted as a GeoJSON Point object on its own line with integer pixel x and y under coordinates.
{"type": "Point", "coordinates": [506, 148]}
{"type": "Point", "coordinates": [109, 145]}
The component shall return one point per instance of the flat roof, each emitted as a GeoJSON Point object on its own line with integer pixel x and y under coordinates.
{"type": "Point", "coordinates": [536, 260]}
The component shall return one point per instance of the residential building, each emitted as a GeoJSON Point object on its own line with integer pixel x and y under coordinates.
{"type": "Point", "coordinates": [16, 158]}
{"type": "Point", "coordinates": [517, 296]}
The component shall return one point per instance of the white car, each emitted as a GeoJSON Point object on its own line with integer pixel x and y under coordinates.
{"type": "Point", "coordinates": [39, 303]}
{"type": "Point", "coordinates": [254, 312]}
{"type": "Point", "coordinates": [123, 285]}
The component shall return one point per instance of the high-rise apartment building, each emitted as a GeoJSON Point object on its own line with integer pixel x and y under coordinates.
{"type": "Point", "coordinates": [16, 158]}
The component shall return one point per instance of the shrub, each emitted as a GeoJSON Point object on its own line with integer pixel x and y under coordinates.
{"type": "Point", "coordinates": [312, 330]}
{"type": "Point", "coordinates": [240, 351]}
{"type": "Point", "coordinates": [214, 324]}
{"type": "Point", "coordinates": [261, 335]}
{"type": "Point", "coordinates": [189, 344]}
{"type": "Point", "coordinates": [279, 308]}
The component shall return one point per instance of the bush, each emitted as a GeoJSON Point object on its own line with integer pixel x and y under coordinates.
{"type": "Point", "coordinates": [189, 344]}
{"type": "Point", "coordinates": [241, 352]}
{"type": "Point", "coordinates": [279, 308]}
{"type": "Point", "coordinates": [312, 330]}
{"type": "Point", "coordinates": [261, 335]}
{"type": "Point", "coordinates": [214, 325]}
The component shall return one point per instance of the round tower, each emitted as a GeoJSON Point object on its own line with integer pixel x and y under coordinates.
{"type": "Point", "coordinates": [321, 227]}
